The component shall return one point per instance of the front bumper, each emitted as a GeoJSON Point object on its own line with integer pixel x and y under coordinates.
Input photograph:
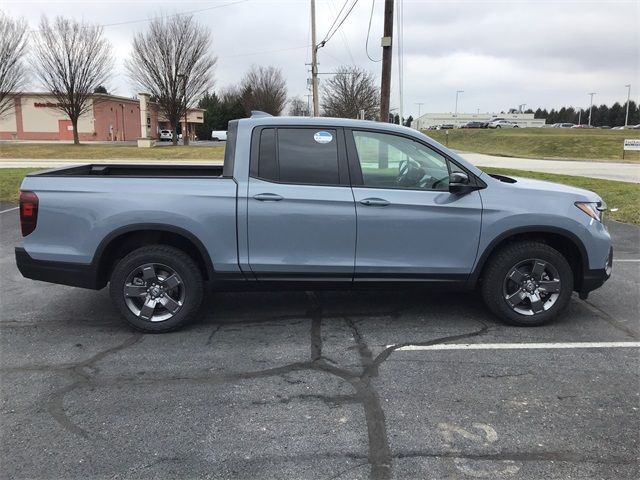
{"type": "Point", "coordinates": [64, 273]}
{"type": "Point", "coordinates": [593, 279]}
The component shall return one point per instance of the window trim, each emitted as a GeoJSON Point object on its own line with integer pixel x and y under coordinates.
{"type": "Point", "coordinates": [355, 169]}
{"type": "Point", "coordinates": [344, 177]}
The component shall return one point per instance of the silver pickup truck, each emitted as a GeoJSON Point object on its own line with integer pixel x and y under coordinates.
{"type": "Point", "coordinates": [311, 203]}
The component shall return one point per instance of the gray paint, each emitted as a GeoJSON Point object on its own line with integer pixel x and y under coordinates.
{"type": "Point", "coordinates": [313, 229]}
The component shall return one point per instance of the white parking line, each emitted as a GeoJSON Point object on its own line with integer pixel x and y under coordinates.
{"type": "Point", "coordinates": [9, 210]}
{"type": "Point", "coordinates": [626, 260]}
{"type": "Point", "coordinates": [519, 346]}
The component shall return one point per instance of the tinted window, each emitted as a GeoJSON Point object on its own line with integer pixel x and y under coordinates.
{"type": "Point", "coordinates": [391, 161]}
{"type": "Point", "coordinates": [308, 155]}
{"type": "Point", "coordinates": [267, 166]}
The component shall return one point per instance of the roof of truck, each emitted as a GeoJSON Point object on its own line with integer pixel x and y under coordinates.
{"type": "Point", "coordinates": [266, 119]}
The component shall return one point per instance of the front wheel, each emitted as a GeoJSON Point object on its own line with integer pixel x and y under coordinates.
{"type": "Point", "coordinates": [527, 284]}
{"type": "Point", "coordinates": [157, 288]}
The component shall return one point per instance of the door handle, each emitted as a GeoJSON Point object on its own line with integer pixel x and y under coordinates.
{"type": "Point", "coordinates": [375, 202]}
{"type": "Point", "coordinates": [268, 197]}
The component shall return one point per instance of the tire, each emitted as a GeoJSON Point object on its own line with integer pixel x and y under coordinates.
{"type": "Point", "coordinates": [527, 284]}
{"type": "Point", "coordinates": [157, 288]}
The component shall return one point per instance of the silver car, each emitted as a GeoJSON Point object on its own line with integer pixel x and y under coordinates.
{"type": "Point", "coordinates": [166, 135]}
{"type": "Point", "coordinates": [502, 124]}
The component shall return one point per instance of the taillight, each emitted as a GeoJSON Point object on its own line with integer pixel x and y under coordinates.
{"type": "Point", "coordinates": [28, 212]}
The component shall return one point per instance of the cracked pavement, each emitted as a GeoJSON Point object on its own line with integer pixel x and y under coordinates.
{"type": "Point", "coordinates": [312, 385]}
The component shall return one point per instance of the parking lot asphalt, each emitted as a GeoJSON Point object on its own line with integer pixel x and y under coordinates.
{"type": "Point", "coordinates": [319, 385]}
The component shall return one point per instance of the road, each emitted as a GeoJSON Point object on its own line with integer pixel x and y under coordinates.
{"type": "Point", "coordinates": [623, 172]}
{"type": "Point", "coordinates": [319, 385]}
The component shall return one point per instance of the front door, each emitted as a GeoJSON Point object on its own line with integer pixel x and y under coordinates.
{"type": "Point", "coordinates": [65, 130]}
{"type": "Point", "coordinates": [409, 226]}
{"type": "Point", "coordinates": [301, 214]}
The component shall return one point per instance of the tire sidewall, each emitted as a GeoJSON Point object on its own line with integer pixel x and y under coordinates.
{"type": "Point", "coordinates": [493, 287]}
{"type": "Point", "coordinates": [181, 263]}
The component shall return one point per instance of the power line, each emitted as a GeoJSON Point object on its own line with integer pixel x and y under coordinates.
{"type": "Point", "coordinates": [331, 33]}
{"type": "Point", "coordinates": [337, 17]}
{"type": "Point", "coordinates": [366, 46]}
{"type": "Point", "coordinates": [344, 37]}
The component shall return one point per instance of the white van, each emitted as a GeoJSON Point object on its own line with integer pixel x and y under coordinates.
{"type": "Point", "coordinates": [219, 135]}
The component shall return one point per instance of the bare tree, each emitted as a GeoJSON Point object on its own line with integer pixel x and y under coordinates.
{"type": "Point", "coordinates": [349, 91]}
{"type": "Point", "coordinates": [172, 61]}
{"type": "Point", "coordinates": [71, 59]}
{"type": "Point", "coordinates": [13, 71]}
{"type": "Point", "coordinates": [265, 89]}
{"type": "Point", "coordinates": [298, 107]}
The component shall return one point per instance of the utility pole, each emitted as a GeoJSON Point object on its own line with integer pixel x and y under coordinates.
{"type": "Point", "coordinates": [385, 83]}
{"type": "Point", "coordinates": [626, 118]}
{"type": "Point", "coordinates": [419, 114]}
{"type": "Point", "coordinates": [314, 61]}
{"type": "Point", "coordinates": [591, 105]}
{"type": "Point", "coordinates": [458, 92]}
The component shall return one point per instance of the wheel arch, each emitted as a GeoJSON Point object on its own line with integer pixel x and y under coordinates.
{"type": "Point", "coordinates": [126, 239]}
{"type": "Point", "coordinates": [566, 242]}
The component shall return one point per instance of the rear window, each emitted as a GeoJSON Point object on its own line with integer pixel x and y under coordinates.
{"type": "Point", "coordinates": [298, 155]}
{"type": "Point", "coordinates": [308, 155]}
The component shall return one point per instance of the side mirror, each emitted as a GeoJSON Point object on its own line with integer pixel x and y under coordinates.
{"type": "Point", "coordinates": [459, 183]}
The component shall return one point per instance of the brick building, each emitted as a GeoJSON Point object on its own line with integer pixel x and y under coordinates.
{"type": "Point", "coordinates": [34, 116]}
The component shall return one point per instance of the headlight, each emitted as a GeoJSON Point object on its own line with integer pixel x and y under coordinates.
{"type": "Point", "coordinates": [594, 209]}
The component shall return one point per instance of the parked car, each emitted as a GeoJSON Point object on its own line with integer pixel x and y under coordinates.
{"type": "Point", "coordinates": [305, 202]}
{"type": "Point", "coordinates": [502, 124]}
{"type": "Point", "coordinates": [446, 126]}
{"type": "Point", "coordinates": [474, 124]}
{"type": "Point", "coordinates": [219, 135]}
{"type": "Point", "coordinates": [563, 125]}
{"type": "Point", "coordinates": [166, 135]}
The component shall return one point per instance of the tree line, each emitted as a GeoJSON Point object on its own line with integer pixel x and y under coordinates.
{"type": "Point", "coordinates": [602, 115]}
{"type": "Point", "coordinates": [171, 59]}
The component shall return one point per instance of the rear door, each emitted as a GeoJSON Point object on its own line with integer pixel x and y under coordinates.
{"type": "Point", "coordinates": [409, 226]}
{"type": "Point", "coordinates": [301, 213]}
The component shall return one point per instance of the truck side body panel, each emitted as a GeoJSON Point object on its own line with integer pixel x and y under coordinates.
{"type": "Point", "coordinates": [77, 213]}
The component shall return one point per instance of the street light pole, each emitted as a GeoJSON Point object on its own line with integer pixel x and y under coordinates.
{"type": "Point", "coordinates": [457, 93]}
{"type": "Point", "coordinates": [626, 117]}
{"type": "Point", "coordinates": [419, 114]}
{"type": "Point", "coordinates": [591, 94]}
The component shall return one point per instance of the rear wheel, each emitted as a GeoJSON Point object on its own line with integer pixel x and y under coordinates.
{"type": "Point", "coordinates": [157, 288]}
{"type": "Point", "coordinates": [527, 283]}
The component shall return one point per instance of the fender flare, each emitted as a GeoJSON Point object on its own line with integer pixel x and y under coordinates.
{"type": "Point", "coordinates": [533, 229]}
{"type": "Point", "coordinates": [161, 227]}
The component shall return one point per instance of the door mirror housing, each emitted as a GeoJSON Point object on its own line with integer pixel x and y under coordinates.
{"type": "Point", "coordinates": [459, 183]}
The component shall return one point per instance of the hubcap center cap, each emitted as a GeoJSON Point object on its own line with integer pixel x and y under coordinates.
{"type": "Point", "coordinates": [155, 291]}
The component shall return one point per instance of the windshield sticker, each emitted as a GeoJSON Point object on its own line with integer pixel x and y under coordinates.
{"type": "Point", "coordinates": [322, 137]}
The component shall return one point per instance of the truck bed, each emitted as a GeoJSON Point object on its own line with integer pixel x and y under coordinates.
{"type": "Point", "coordinates": [134, 170]}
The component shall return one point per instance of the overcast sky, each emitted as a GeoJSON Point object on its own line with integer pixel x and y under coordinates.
{"type": "Point", "coordinates": [501, 53]}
